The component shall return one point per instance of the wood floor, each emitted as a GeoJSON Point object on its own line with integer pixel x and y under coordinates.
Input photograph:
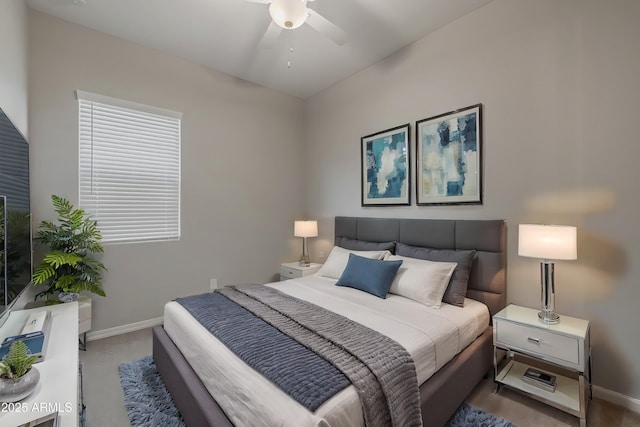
{"type": "Point", "coordinates": [105, 402]}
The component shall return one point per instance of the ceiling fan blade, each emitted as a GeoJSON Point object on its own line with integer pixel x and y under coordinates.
{"type": "Point", "coordinates": [326, 27]}
{"type": "Point", "coordinates": [69, 2]}
{"type": "Point", "coordinates": [270, 36]}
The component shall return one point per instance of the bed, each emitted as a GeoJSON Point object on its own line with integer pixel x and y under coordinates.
{"type": "Point", "coordinates": [443, 392]}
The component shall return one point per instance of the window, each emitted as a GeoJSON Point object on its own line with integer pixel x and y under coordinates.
{"type": "Point", "coordinates": [129, 168]}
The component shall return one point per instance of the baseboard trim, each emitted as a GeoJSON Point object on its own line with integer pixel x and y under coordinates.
{"type": "Point", "coordinates": [616, 398]}
{"type": "Point", "coordinates": [119, 330]}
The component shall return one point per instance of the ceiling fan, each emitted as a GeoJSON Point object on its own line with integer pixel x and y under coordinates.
{"type": "Point", "coordinates": [290, 14]}
{"type": "Point", "coordinates": [66, 3]}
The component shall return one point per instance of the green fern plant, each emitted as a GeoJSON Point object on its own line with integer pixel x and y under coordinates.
{"type": "Point", "coordinates": [68, 266]}
{"type": "Point", "coordinates": [17, 362]}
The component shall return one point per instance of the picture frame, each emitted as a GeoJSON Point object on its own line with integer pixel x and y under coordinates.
{"type": "Point", "coordinates": [449, 158]}
{"type": "Point", "coordinates": [386, 167]}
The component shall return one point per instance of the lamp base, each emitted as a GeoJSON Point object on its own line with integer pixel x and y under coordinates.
{"type": "Point", "coordinates": [548, 296]}
{"type": "Point", "coordinates": [548, 317]}
{"type": "Point", "coordinates": [305, 261]}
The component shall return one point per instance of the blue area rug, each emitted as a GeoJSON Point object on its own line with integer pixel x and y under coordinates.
{"type": "Point", "coordinates": [149, 404]}
{"type": "Point", "coordinates": [470, 416]}
{"type": "Point", "coordinates": [146, 397]}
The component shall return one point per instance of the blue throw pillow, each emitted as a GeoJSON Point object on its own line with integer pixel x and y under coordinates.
{"type": "Point", "coordinates": [370, 275]}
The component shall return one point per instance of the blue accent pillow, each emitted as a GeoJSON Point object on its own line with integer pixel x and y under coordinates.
{"type": "Point", "coordinates": [369, 275]}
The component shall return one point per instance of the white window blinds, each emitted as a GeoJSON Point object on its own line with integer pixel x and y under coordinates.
{"type": "Point", "coordinates": [129, 168]}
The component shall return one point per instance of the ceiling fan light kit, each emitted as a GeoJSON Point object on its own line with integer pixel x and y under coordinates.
{"type": "Point", "coordinates": [289, 14]}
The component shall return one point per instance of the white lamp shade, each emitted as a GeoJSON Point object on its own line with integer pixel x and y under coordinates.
{"type": "Point", "coordinates": [305, 229]}
{"type": "Point", "coordinates": [288, 14]}
{"type": "Point", "coordinates": [547, 241]}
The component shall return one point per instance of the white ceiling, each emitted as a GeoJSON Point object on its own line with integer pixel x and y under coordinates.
{"type": "Point", "coordinates": [225, 34]}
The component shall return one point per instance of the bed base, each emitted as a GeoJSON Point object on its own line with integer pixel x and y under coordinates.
{"type": "Point", "coordinates": [440, 396]}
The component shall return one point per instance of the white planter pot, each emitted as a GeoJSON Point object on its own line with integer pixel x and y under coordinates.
{"type": "Point", "coordinates": [68, 296]}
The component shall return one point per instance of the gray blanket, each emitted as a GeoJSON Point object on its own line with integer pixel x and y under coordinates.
{"type": "Point", "coordinates": [381, 370]}
{"type": "Point", "coordinates": [302, 374]}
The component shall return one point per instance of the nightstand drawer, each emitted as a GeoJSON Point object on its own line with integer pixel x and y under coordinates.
{"type": "Point", "coordinates": [538, 341]}
{"type": "Point", "coordinates": [84, 314]}
{"type": "Point", "coordinates": [84, 326]}
{"type": "Point", "coordinates": [289, 272]}
{"type": "Point", "coordinates": [292, 270]}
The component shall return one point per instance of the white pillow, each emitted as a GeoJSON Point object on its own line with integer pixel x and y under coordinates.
{"type": "Point", "coordinates": [339, 257]}
{"type": "Point", "coordinates": [421, 280]}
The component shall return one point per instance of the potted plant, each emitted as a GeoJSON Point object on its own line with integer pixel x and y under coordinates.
{"type": "Point", "coordinates": [68, 267]}
{"type": "Point", "coordinates": [18, 378]}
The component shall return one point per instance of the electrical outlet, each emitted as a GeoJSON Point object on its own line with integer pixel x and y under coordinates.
{"type": "Point", "coordinates": [213, 284]}
{"type": "Point", "coordinates": [321, 254]}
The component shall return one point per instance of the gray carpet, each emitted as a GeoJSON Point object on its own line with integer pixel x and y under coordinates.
{"type": "Point", "coordinates": [149, 404]}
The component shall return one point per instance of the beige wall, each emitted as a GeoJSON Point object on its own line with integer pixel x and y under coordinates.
{"type": "Point", "coordinates": [240, 169]}
{"type": "Point", "coordinates": [13, 62]}
{"type": "Point", "coordinates": [558, 81]}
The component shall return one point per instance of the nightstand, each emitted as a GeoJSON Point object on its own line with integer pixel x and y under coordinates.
{"type": "Point", "coordinates": [291, 270]}
{"type": "Point", "coordinates": [563, 348]}
{"type": "Point", "coordinates": [84, 319]}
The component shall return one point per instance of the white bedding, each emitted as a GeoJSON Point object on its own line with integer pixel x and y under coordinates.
{"type": "Point", "coordinates": [431, 336]}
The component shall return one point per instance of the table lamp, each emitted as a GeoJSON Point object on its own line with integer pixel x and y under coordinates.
{"type": "Point", "coordinates": [549, 242]}
{"type": "Point", "coordinates": [305, 229]}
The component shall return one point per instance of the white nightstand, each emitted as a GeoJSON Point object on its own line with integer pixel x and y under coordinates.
{"type": "Point", "coordinates": [291, 270]}
{"type": "Point", "coordinates": [561, 348]}
{"type": "Point", "coordinates": [84, 319]}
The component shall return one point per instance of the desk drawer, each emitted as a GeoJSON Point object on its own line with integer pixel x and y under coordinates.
{"type": "Point", "coordinates": [538, 341]}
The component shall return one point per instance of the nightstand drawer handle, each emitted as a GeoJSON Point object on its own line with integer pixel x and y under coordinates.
{"type": "Point", "coordinates": [534, 340]}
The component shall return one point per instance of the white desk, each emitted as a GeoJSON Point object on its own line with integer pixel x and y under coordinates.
{"type": "Point", "coordinates": [57, 389]}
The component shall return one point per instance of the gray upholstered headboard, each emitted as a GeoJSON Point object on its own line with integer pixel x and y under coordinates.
{"type": "Point", "coordinates": [488, 274]}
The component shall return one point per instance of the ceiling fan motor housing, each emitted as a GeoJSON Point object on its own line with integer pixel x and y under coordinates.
{"type": "Point", "coordinates": [288, 14]}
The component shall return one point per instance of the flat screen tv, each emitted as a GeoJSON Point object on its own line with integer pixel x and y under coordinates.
{"type": "Point", "coordinates": [15, 214]}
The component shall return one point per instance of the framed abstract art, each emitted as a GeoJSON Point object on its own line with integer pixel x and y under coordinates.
{"type": "Point", "coordinates": [449, 158]}
{"type": "Point", "coordinates": [386, 178]}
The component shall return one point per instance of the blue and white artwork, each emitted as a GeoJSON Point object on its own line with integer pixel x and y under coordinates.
{"type": "Point", "coordinates": [385, 167]}
{"type": "Point", "coordinates": [448, 150]}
